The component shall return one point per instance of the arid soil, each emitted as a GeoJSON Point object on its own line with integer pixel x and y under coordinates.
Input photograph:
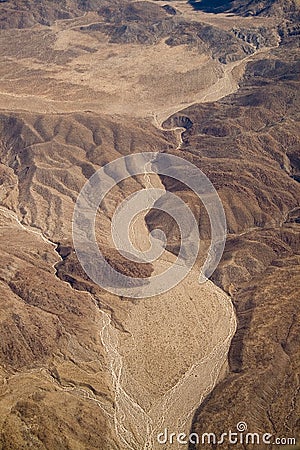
{"type": "Point", "coordinates": [83, 84]}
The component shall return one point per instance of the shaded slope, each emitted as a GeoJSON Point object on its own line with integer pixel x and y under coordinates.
{"type": "Point", "coordinates": [281, 8]}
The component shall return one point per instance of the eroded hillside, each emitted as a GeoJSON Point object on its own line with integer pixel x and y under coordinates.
{"type": "Point", "coordinates": [84, 83]}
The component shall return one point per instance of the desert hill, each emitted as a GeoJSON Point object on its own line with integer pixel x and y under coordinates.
{"type": "Point", "coordinates": [250, 139]}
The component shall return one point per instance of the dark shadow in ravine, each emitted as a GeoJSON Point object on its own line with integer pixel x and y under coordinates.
{"type": "Point", "coordinates": [211, 6]}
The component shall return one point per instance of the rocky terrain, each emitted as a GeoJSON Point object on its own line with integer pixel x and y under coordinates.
{"type": "Point", "coordinates": [251, 138]}
{"type": "Point", "coordinates": [83, 83]}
